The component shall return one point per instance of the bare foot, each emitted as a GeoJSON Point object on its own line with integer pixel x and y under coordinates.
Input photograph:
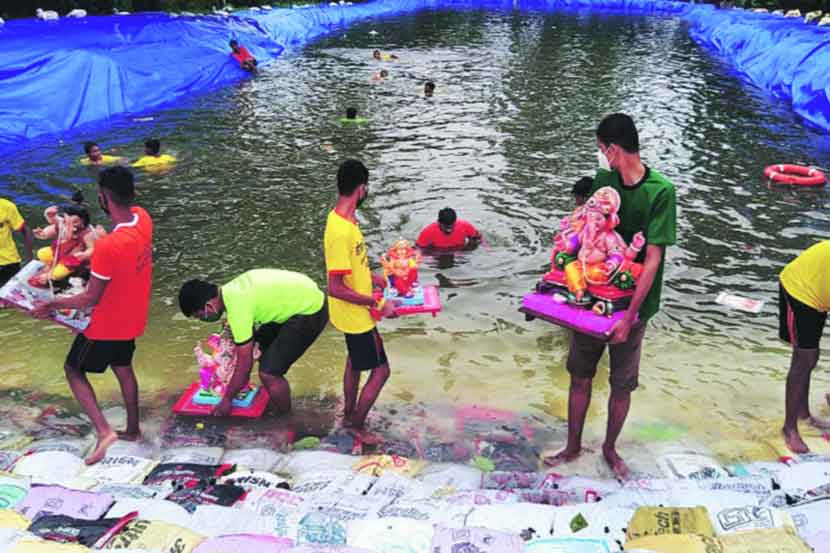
{"type": "Point", "coordinates": [364, 436]}
{"type": "Point", "coordinates": [129, 436]}
{"type": "Point", "coordinates": [101, 448]}
{"type": "Point", "coordinates": [564, 456]}
{"type": "Point", "coordinates": [616, 463]}
{"type": "Point", "coordinates": [794, 442]}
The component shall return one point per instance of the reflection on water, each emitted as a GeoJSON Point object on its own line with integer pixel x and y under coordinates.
{"type": "Point", "coordinates": [509, 130]}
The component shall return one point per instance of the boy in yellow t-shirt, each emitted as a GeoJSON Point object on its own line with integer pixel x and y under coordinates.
{"type": "Point", "coordinates": [803, 303]}
{"type": "Point", "coordinates": [12, 221]}
{"type": "Point", "coordinates": [153, 158]}
{"type": "Point", "coordinates": [351, 283]}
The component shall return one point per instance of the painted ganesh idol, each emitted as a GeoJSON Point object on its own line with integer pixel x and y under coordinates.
{"type": "Point", "coordinates": [592, 264]}
{"type": "Point", "coordinates": [400, 265]}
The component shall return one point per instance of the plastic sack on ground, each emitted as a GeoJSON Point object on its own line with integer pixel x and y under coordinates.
{"type": "Point", "coordinates": [155, 536]}
{"type": "Point", "coordinates": [49, 467]}
{"type": "Point", "coordinates": [244, 542]}
{"type": "Point", "coordinates": [811, 521]}
{"type": "Point", "coordinates": [458, 477]}
{"type": "Point", "coordinates": [594, 520]}
{"type": "Point", "coordinates": [317, 527]}
{"type": "Point", "coordinates": [690, 466]}
{"type": "Point", "coordinates": [257, 459]}
{"type": "Point", "coordinates": [391, 486]}
{"type": "Point", "coordinates": [191, 497]}
{"type": "Point", "coordinates": [11, 519]}
{"type": "Point", "coordinates": [525, 519]}
{"type": "Point", "coordinates": [12, 491]}
{"type": "Point", "coordinates": [167, 475]}
{"type": "Point", "coordinates": [652, 521]}
{"type": "Point", "coordinates": [192, 455]}
{"type": "Point", "coordinates": [76, 446]}
{"type": "Point", "coordinates": [300, 463]}
{"type": "Point", "coordinates": [349, 507]}
{"type": "Point", "coordinates": [212, 521]}
{"type": "Point", "coordinates": [13, 440]}
{"type": "Point", "coordinates": [8, 459]}
{"type": "Point", "coordinates": [776, 540]}
{"type": "Point", "coordinates": [801, 477]}
{"type": "Point", "coordinates": [65, 529]}
{"type": "Point", "coordinates": [567, 545]}
{"type": "Point", "coordinates": [35, 545]}
{"type": "Point", "coordinates": [152, 509]}
{"type": "Point", "coordinates": [676, 543]}
{"type": "Point", "coordinates": [57, 500]}
{"type": "Point", "coordinates": [10, 536]}
{"type": "Point", "coordinates": [326, 549]}
{"type": "Point", "coordinates": [749, 517]}
{"type": "Point", "coordinates": [332, 483]}
{"type": "Point", "coordinates": [122, 469]}
{"type": "Point", "coordinates": [391, 535]}
{"type": "Point", "coordinates": [427, 510]}
{"type": "Point", "coordinates": [474, 498]}
{"type": "Point", "coordinates": [376, 465]}
{"type": "Point", "coordinates": [255, 480]}
{"type": "Point", "coordinates": [126, 491]}
{"type": "Point", "coordinates": [139, 448]}
{"type": "Point", "coordinates": [480, 540]}
{"type": "Point", "coordinates": [269, 502]}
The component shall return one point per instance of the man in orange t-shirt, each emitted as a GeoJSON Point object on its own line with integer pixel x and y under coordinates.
{"type": "Point", "coordinates": [243, 56]}
{"type": "Point", "coordinates": [448, 232]}
{"type": "Point", "coordinates": [119, 293]}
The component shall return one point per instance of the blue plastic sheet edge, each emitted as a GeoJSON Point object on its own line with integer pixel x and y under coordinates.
{"type": "Point", "coordinates": [64, 75]}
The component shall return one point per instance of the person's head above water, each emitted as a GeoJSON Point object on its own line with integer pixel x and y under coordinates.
{"type": "Point", "coordinates": [353, 180]}
{"type": "Point", "coordinates": [116, 186]}
{"type": "Point", "coordinates": [446, 220]}
{"type": "Point", "coordinates": [152, 146]}
{"type": "Point", "coordinates": [200, 299]}
{"type": "Point", "coordinates": [384, 73]}
{"type": "Point", "coordinates": [617, 140]}
{"type": "Point", "coordinates": [351, 113]}
{"type": "Point", "coordinates": [93, 151]}
{"type": "Point", "coordinates": [429, 88]}
{"type": "Point", "coordinates": [376, 54]}
{"type": "Point", "coordinates": [582, 189]}
{"type": "Point", "coordinates": [234, 45]}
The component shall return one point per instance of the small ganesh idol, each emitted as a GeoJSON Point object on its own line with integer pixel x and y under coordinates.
{"type": "Point", "coordinates": [400, 266]}
{"type": "Point", "coordinates": [216, 368]}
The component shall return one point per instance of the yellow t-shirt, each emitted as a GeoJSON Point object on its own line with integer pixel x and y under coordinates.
{"type": "Point", "coordinates": [346, 254]}
{"type": "Point", "coordinates": [149, 161]}
{"type": "Point", "coordinates": [807, 277]}
{"type": "Point", "coordinates": [105, 160]}
{"type": "Point", "coordinates": [10, 220]}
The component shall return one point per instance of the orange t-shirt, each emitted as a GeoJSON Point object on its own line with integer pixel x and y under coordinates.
{"type": "Point", "coordinates": [432, 236]}
{"type": "Point", "coordinates": [242, 56]}
{"type": "Point", "coordinates": [124, 258]}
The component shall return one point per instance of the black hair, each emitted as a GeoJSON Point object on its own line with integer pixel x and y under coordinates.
{"type": "Point", "coordinates": [351, 174]}
{"type": "Point", "coordinates": [78, 197]}
{"type": "Point", "coordinates": [120, 183]}
{"type": "Point", "coordinates": [233, 42]}
{"type": "Point", "coordinates": [88, 146]}
{"type": "Point", "coordinates": [583, 187]}
{"type": "Point", "coordinates": [154, 145]}
{"type": "Point", "coordinates": [447, 216]}
{"type": "Point", "coordinates": [194, 294]}
{"type": "Point", "coordinates": [351, 113]}
{"type": "Point", "coordinates": [429, 85]}
{"type": "Point", "coordinates": [619, 129]}
{"type": "Point", "coordinates": [78, 211]}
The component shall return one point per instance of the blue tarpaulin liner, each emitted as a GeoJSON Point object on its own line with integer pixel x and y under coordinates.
{"type": "Point", "coordinates": [60, 75]}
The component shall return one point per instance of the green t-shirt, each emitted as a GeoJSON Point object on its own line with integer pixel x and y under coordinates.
{"type": "Point", "coordinates": [268, 296]}
{"type": "Point", "coordinates": [649, 206]}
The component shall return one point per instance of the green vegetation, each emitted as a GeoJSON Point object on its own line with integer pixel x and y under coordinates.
{"type": "Point", "coordinates": [26, 8]}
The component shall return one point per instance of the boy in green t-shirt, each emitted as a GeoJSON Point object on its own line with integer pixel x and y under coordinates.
{"type": "Point", "coordinates": [647, 206]}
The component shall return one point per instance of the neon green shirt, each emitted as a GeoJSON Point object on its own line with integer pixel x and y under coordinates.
{"type": "Point", "coordinates": [649, 206]}
{"type": "Point", "coordinates": [266, 296]}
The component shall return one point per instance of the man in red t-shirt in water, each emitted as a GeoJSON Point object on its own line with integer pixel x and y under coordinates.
{"type": "Point", "coordinates": [448, 232]}
{"type": "Point", "coordinates": [243, 56]}
{"type": "Point", "coordinates": [119, 292]}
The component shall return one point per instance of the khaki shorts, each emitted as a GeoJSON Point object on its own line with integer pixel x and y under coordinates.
{"type": "Point", "coordinates": [586, 351]}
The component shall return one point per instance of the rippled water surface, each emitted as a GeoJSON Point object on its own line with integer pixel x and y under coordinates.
{"type": "Point", "coordinates": [507, 133]}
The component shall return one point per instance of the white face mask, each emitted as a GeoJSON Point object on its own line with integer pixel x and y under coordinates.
{"type": "Point", "coordinates": [602, 161]}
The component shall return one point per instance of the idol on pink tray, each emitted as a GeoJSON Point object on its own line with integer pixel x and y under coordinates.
{"type": "Point", "coordinates": [216, 369]}
{"type": "Point", "coordinates": [593, 271]}
{"type": "Point", "coordinates": [400, 266]}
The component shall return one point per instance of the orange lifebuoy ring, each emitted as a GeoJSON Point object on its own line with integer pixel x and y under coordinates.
{"type": "Point", "coordinates": [798, 175]}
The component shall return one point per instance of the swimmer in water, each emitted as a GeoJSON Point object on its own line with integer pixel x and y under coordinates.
{"type": "Point", "coordinates": [380, 75]}
{"type": "Point", "coordinates": [153, 156]}
{"type": "Point", "coordinates": [448, 232]}
{"type": "Point", "coordinates": [243, 56]}
{"type": "Point", "coordinates": [383, 57]}
{"type": "Point", "coordinates": [94, 156]}
{"type": "Point", "coordinates": [429, 89]}
{"type": "Point", "coordinates": [351, 113]}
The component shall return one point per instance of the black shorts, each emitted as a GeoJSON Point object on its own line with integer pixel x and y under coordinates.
{"type": "Point", "coordinates": [366, 350]}
{"type": "Point", "coordinates": [282, 344]}
{"type": "Point", "coordinates": [94, 356]}
{"type": "Point", "coordinates": [7, 272]}
{"type": "Point", "coordinates": [798, 323]}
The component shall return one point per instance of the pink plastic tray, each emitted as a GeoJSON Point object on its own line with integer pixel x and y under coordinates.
{"type": "Point", "coordinates": [432, 304]}
{"type": "Point", "coordinates": [542, 306]}
{"type": "Point", "coordinates": [185, 405]}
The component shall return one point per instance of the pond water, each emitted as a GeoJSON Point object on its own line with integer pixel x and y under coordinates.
{"type": "Point", "coordinates": [510, 128]}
